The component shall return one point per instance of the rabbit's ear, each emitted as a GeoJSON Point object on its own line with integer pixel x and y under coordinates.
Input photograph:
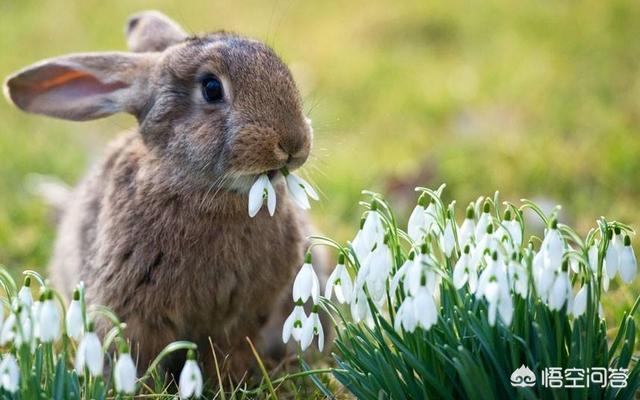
{"type": "Point", "coordinates": [83, 86]}
{"type": "Point", "coordinates": [152, 31]}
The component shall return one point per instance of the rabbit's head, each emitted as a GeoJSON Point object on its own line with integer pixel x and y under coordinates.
{"type": "Point", "coordinates": [213, 108]}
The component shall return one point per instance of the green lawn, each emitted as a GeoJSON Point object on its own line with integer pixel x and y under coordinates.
{"type": "Point", "coordinates": [539, 100]}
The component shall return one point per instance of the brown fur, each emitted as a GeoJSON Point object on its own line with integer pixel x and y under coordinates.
{"type": "Point", "coordinates": [159, 230]}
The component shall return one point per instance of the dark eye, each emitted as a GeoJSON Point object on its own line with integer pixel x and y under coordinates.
{"type": "Point", "coordinates": [212, 89]}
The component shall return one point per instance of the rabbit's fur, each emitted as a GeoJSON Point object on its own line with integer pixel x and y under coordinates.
{"type": "Point", "coordinates": [159, 230]}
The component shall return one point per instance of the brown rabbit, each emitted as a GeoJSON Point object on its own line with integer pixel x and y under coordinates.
{"type": "Point", "coordinates": [159, 230]}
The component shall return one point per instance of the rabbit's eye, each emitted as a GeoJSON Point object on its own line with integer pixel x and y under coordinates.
{"type": "Point", "coordinates": [212, 89]}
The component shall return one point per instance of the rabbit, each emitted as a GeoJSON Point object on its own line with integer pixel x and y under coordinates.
{"type": "Point", "coordinates": [158, 230]}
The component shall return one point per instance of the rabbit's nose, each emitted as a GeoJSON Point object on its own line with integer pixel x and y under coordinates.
{"type": "Point", "coordinates": [293, 154]}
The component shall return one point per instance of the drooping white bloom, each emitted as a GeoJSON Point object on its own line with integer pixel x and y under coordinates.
{"type": "Point", "coordinates": [612, 256]}
{"type": "Point", "coordinates": [515, 231]}
{"type": "Point", "coordinates": [467, 233]}
{"type": "Point", "coordinates": [306, 283]}
{"type": "Point", "coordinates": [74, 320]}
{"type": "Point", "coordinates": [360, 247]}
{"type": "Point", "coordinates": [447, 240]}
{"type": "Point", "coordinates": [340, 282]}
{"type": "Point", "coordinates": [560, 290]}
{"type": "Point", "coordinates": [493, 285]}
{"type": "Point", "coordinates": [483, 222]}
{"type": "Point", "coordinates": [592, 254]}
{"type": "Point", "coordinates": [48, 320]}
{"type": "Point", "coordinates": [580, 302]}
{"type": "Point", "coordinates": [406, 316]}
{"type": "Point", "coordinates": [465, 272]}
{"type": "Point", "coordinates": [24, 295]}
{"type": "Point", "coordinates": [421, 273]}
{"type": "Point", "coordinates": [9, 374]}
{"type": "Point", "coordinates": [400, 274]}
{"type": "Point", "coordinates": [360, 310]}
{"type": "Point", "coordinates": [373, 228]}
{"type": "Point", "coordinates": [300, 190]}
{"type": "Point", "coordinates": [416, 224]}
{"type": "Point", "coordinates": [262, 190]}
{"type": "Point", "coordinates": [311, 328]}
{"type": "Point", "coordinates": [552, 247]}
{"type": "Point", "coordinates": [35, 314]}
{"type": "Point", "coordinates": [90, 355]}
{"type": "Point", "coordinates": [628, 264]}
{"type": "Point", "coordinates": [190, 382]}
{"type": "Point", "coordinates": [377, 271]}
{"type": "Point", "coordinates": [124, 374]}
{"type": "Point", "coordinates": [293, 324]}
{"type": "Point", "coordinates": [18, 328]}
{"type": "Point", "coordinates": [518, 277]}
{"type": "Point", "coordinates": [426, 312]}
{"type": "Point", "coordinates": [8, 330]}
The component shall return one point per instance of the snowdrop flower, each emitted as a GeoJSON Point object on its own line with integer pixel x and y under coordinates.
{"type": "Point", "coordinates": [592, 255]}
{"type": "Point", "coordinates": [293, 324]}
{"type": "Point", "coordinates": [494, 287]}
{"type": "Point", "coordinates": [48, 319]}
{"type": "Point", "coordinates": [360, 247]}
{"type": "Point", "coordinates": [552, 247]}
{"type": "Point", "coordinates": [8, 332]}
{"type": "Point", "coordinates": [483, 222]}
{"type": "Point", "coordinates": [518, 276]}
{"type": "Point", "coordinates": [190, 382]}
{"type": "Point", "coordinates": [628, 265]}
{"type": "Point", "coordinates": [488, 243]}
{"type": "Point", "coordinates": [421, 273]}
{"type": "Point", "coordinates": [299, 189]}
{"type": "Point", "coordinates": [35, 314]}
{"type": "Point", "coordinates": [340, 282]}
{"type": "Point", "coordinates": [400, 274]}
{"type": "Point", "coordinates": [425, 310]}
{"type": "Point", "coordinates": [447, 240]}
{"type": "Point", "coordinates": [311, 328]}
{"type": "Point", "coordinates": [373, 228]}
{"type": "Point", "coordinates": [464, 272]}
{"type": "Point", "coordinates": [421, 219]}
{"type": "Point", "coordinates": [124, 373]}
{"type": "Point", "coordinates": [466, 233]}
{"type": "Point", "coordinates": [24, 295]}
{"type": "Point", "coordinates": [612, 256]}
{"type": "Point", "coordinates": [306, 283]}
{"type": "Point", "coordinates": [377, 271]}
{"type": "Point", "coordinates": [512, 226]}
{"type": "Point", "coordinates": [580, 302]}
{"type": "Point", "coordinates": [17, 328]}
{"type": "Point", "coordinates": [74, 321]}
{"type": "Point", "coordinates": [9, 374]}
{"type": "Point", "coordinates": [262, 190]}
{"type": "Point", "coordinates": [406, 316]}
{"type": "Point", "coordinates": [561, 288]}
{"type": "Point", "coordinates": [360, 310]}
{"type": "Point", "coordinates": [90, 354]}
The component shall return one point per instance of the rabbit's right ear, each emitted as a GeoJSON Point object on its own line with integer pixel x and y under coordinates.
{"type": "Point", "coordinates": [152, 31]}
{"type": "Point", "coordinates": [84, 86]}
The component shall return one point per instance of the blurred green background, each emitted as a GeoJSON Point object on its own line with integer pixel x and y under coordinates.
{"type": "Point", "coordinates": [537, 99]}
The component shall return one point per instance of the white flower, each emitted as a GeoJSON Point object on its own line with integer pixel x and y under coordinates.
{"type": "Point", "coordinates": [518, 277]}
{"type": "Point", "coordinates": [552, 247]}
{"type": "Point", "coordinates": [628, 264]}
{"type": "Point", "coordinates": [466, 233]}
{"type": "Point", "coordinates": [592, 254]}
{"type": "Point", "coordinates": [483, 222]}
{"type": "Point", "coordinates": [190, 381]}
{"type": "Point", "coordinates": [311, 328]}
{"type": "Point", "coordinates": [560, 291]}
{"type": "Point", "coordinates": [400, 274]}
{"type": "Point", "coordinates": [262, 190]}
{"type": "Point", "coordinates": [17, 328]}
{"type": "Point", "coordinates": [24, 295]}
{"type": "Point", "coordinates": [74, 322]}
{"type": "Point", "coordinates": [493, 285]}
{"type": "Point", "coordinates": [293, 324]}
{"type": "Point", "coordinates": [415, 227]}
{"type": "Point", "coordinates": [306, 283]}
{"type": "Point", "coordinates": [447, 241]}
{"type": "Point", "coordinates": [48, 320]}
{"type": "Point", "coordinates": [300, 190]}
{"type": "Point", "coordinates": [580, 302]}
{"type": "Point", "coordinates": [90, 355]}
{"type": "Point", "coordinates": [406, 316]}
{"type": "Point", "coordinates": [377, 270]}
{"type": "Point", "coordinates": [612, 257]}
{"type": "Point", "coordinates": [340, 282]}
{"type": "Point", "coordinates": [373, 228]}
{"type": "Point", "coordinates": [425, 310]}
{"type": "Point", "coordinates": [360, 247]}
{"type": "Point", "coordinates": [512, 226]}
{"type": "Point", "coordinates": [35, 314]}
{"type": "Point", "coordinates": [124, 374]}
{"type": "Point", "coordinates": [9, 374]}
{"type": "Point", "coordinates": [360, 310]}
{"type": "Point", "coordinates": [421, 273]}
{"type": "Point", "coordinates": [8, 330]}
{"type": "Point", "coordinates": [464, 272]}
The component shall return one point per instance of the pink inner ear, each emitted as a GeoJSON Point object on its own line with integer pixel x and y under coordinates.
{"type": "Point", "coordinates": [63, 92]}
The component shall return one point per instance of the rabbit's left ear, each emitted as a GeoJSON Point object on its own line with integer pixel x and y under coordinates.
{"type": "Point", "coordinates": [152, 31]}
{"type": "Point", "coordinates": [84, 86]}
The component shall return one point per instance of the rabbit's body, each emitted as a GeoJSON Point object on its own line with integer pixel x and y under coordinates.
{"type": "Point", "coordinates": [174, 263]}
{"type": "Point", "coordinates": [159, 231]}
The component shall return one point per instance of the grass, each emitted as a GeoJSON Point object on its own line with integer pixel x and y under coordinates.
{"type": "Point", "coordinates": [538, 100]}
